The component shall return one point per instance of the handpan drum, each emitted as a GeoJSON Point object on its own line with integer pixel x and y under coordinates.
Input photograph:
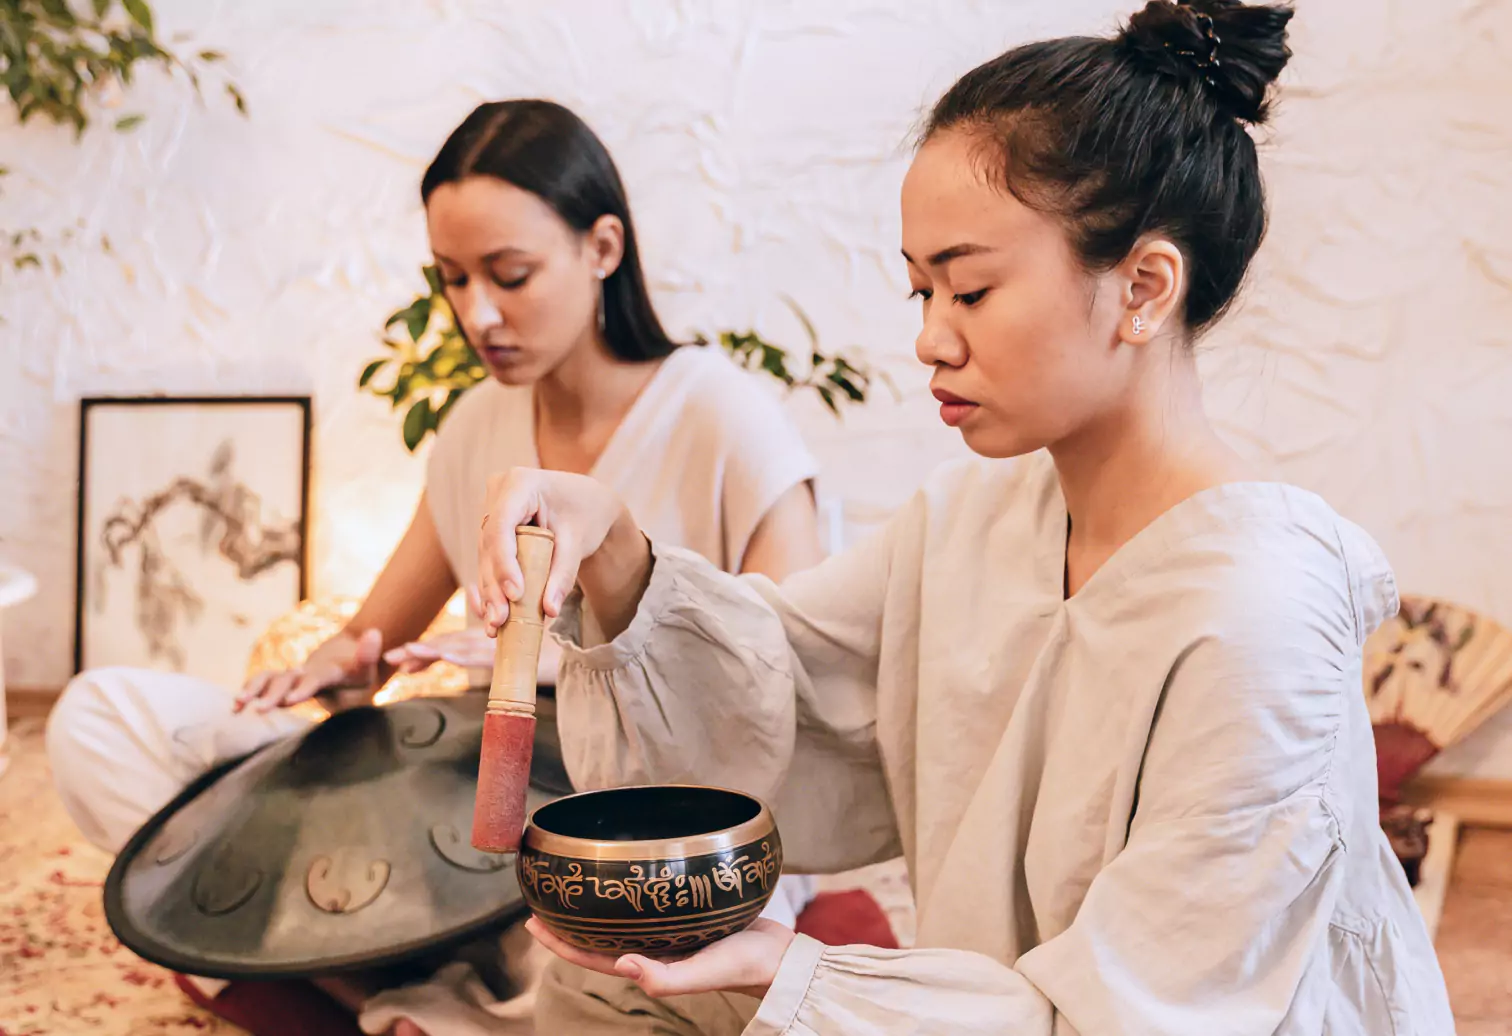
{"type": "Point", "coordinates": [346, 846]}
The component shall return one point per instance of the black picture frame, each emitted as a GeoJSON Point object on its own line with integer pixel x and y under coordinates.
{"type": "Point", "coordinates": [207, 498]}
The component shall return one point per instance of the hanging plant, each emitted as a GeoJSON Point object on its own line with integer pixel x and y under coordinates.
{"type": "Point", "coordinates": [57, 58]}
{"type": "Point", "coordinates": [430, 365]}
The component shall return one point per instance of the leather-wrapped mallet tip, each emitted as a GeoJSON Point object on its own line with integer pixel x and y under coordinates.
{"type": "Point", "coordinates": [503, 777]}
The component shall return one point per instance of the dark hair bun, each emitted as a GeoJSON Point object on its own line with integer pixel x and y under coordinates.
{"type": "Point", "coordinates": [1236, 49]}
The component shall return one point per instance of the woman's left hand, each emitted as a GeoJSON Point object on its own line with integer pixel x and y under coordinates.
{"type": "Point", "coordinates": [745, 962]}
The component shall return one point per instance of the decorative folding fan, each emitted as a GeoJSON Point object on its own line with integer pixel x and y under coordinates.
{"type": "Point", "coordinates": [1432, 675]}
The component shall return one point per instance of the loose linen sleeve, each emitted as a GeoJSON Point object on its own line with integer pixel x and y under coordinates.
{"type": "Point", "coordinates": [729, 680]}
{"type": "Point", "coordinates": [1213, 916]}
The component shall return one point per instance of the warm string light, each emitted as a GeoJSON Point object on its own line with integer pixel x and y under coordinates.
{"type": "Point", "coordinates": [288, 641]}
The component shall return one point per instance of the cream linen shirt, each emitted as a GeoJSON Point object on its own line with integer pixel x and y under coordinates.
{"type": "Point", "coordinates": [700, 458]}
{"type": "Point", "coordinates": [1148, 809]}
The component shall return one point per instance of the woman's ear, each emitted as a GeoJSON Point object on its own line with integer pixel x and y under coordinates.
{"type": "Point", "coordinates": [605, 242]}
{"type": "Point", "coordinates": [1153, 279]}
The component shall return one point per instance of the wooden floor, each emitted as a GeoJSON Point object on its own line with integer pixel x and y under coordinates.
{"type": "Point", "coordinates": [1475, 934]}
{"type": "Point", "coordinates": [28, 702]}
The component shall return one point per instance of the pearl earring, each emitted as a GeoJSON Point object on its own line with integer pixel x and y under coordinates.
{"type": "Point", "coordinates": [1139, 324]}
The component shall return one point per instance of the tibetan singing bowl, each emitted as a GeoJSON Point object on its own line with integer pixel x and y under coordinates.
{"type": "Point", "coordinates": [663, 870]}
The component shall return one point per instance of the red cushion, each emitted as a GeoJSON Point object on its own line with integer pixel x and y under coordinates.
{"type": "Point", "coordinates": [847, 918]}
{"type": "Point", "coordinates": [291, 1008]}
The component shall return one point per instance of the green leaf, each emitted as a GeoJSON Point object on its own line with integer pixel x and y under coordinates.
{"type": "Point", "coordinates": [433, 278]}
{"type": "Point", "coordinates": [236, 96]}
{"type": "Point", "coordinates": [829, 399]}
{"type": "Point", "coordinates": [59, 12]}
{"type": "Point", "coordinates": [369, 371]}
{"type": "Point", "coordinates": [416, 424]}
{"type": "Point", "coordinates": [845, 385]}
{"type": "Point", "coordinates": [140, 12]}
{"type": "Point", "coordinates": [100, 7]}
{"type": "Point", "coordinates": [774, 362]}
{"type": "Point", "coordinates": [417, 318]}
{"type": "Point", "coordinates": [126, 123]}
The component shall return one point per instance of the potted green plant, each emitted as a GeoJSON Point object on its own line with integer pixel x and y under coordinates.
{"type": "Point", "coordinates": [429, 365]}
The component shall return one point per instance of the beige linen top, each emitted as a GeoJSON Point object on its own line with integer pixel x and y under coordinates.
{"type": "Point", "coordinates": [700, 458]}
{"type": "Point", "coordinates": [1150, 808]}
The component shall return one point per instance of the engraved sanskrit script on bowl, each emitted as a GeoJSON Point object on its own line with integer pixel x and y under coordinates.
{"type": "Point", "coordinates": [662, 869]}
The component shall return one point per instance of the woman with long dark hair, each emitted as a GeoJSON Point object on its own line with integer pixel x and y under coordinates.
{"type": "Point", "coordinates": [1101, 688]}
{"type": "Point", "coordinates": [530, 227]}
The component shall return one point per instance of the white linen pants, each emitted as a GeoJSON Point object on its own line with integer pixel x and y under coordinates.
{"type": "Point", "coordinates": [123, 742]}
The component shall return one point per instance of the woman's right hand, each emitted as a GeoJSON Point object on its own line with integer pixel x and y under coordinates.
{"type": "Point", "coordinates": [467, 648]}
{"type": "Point", "coordinates": [597, 542]}
{"type": "Point", "coordinates": [344, 660]}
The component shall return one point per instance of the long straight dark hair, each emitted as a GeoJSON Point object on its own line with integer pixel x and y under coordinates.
{"type": "Point", "coordinates": [542, 147]}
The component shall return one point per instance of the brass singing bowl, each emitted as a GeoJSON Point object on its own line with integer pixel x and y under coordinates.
{"type": "Point", "coordinates": [661, 869]}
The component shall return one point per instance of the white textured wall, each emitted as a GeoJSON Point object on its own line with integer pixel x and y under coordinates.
{"type": "Point", "coordinates": [763, 143]}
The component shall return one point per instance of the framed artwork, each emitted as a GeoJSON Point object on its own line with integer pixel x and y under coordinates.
{"type": "Point", "coordinates": [192, 529]}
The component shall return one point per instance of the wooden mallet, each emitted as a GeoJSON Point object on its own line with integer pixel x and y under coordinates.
{"type": "Point", "coordinates": [509, 724]}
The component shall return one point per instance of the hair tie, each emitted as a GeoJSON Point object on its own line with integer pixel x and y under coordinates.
{"type": "Point", "coordinates": [1205, 63]}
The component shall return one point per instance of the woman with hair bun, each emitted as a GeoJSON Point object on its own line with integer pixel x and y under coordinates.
{"type": "Point", "coordinates": [1101, 688]}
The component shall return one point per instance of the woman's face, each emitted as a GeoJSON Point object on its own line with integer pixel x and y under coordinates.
{"type": "Point", "coordinates": [523, 284]}
{"type": "Point", "coordinates": [1023, 341]}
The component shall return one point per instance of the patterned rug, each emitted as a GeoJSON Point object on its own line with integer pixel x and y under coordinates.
{"type": "Point", "coordinates": [62, 973]}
